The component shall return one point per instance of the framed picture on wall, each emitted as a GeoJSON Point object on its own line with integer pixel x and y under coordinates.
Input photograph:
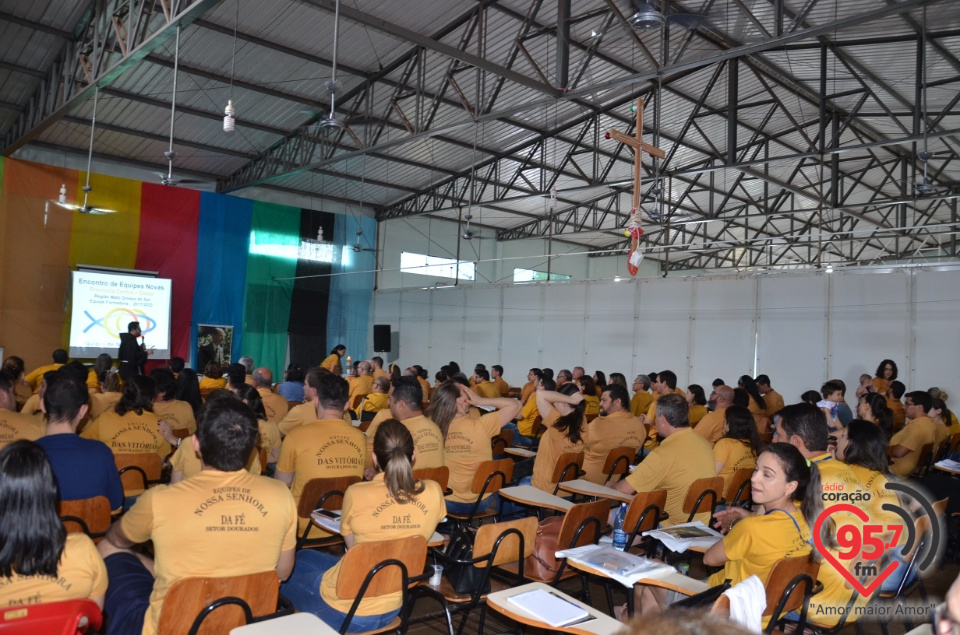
{"type": "Point", "coordinates": [214, 343]}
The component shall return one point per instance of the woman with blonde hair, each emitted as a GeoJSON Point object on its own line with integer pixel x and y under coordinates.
{"type": "Point", "coordinates": [368, 512]}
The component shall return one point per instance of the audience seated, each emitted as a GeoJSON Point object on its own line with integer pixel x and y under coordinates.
{"type": "Point", "coordinates": [711, 426]}
{"type": "Point", "coordinates": [757, 404]}
{"type": "Point", "coordinates": [307, 411]}
{"type": "Point", "coordinates": [131, 427]}
{"type": "Point", "coordinates": [905, 446]}
{"type": "Point", "coordinates": [376, 400]}
{"type": "Point", "coordinates": [369, 513]}
{"type": "Point", "coordinates": [615, 427]}
{"type": "Point", "coordinates": [291, 388]}
{"type": "Point", "coordinates": [39, 561]}
{"type": "Point", "coordinates": [188, 390]}
{"type": "Point", "coordinates": [108, 396]}
{"type": "Point", "coordinates": [212, 377]}
{"type": "Point", "coordinates": [873, 408]}
{"type": "Point", "coordinates": [274, 405]}
{"type": "Point", "coordinates": [33, 377]}
{"type": "Point", "coordinates": [362, 384]}
{"type": "Point", "coordinates": [483, 386]}
{"type": "Point", "coordinates": [566, 431]}
{"type": "Point", "coordinates": [533, 378]}
{"type": "Point", "coordinates": [84, 468]}
{"type": "Point", "coordinates": [589, 390]}
{"type": "Point", "coordinates": [771, 397]}
{"type": "Point", "coordinates": [740, 445]}
{"type": "Point", "coordinates": [681, 458]}
{"type": "Point", "coordinates": [13, 366]}
{"type": "Point", "coordinates": [405, 406]}
{"type": "Point", "coordinates": [15, 425]}
{"type": "Point", "coordinates": [466, 440]}
{"type": "Point", "coordinates": [179, 414]}
{"type": "Point", "coordinates": [496, 376]}
{"type": "Point", "coordinates": [324, 448]}
{"type": "Point", "coordinates": [219, 523]}
{"type": "Point", "coordinates": [641, 400]}
{"type": "Point", "coordinates": [697, 400]}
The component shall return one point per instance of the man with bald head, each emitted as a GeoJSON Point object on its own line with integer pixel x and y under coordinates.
{"type": "Point", "coordinates": [711, 426]}
{"type": "Point", "coordinates": [275, 405]}
{"type": "Point", "coordinates": [362, 384]}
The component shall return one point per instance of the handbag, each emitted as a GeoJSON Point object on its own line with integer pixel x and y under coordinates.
{"type": "Point", "coordinates": [542, 564]}
{"type": "Point", "coordinates": [465, 578]}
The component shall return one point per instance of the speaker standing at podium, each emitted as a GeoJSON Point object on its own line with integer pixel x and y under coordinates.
{"type": "Point", "coordinates": [132, 355]}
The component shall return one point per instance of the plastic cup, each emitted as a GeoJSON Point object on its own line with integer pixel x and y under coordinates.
{"type": "Point", "coordinates": [437, 574]}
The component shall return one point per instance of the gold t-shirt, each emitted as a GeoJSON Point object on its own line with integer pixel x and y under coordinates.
{"type": "Point", "coordinates": [774, 401]}
{"type": "Point", "coordinates": [371, 514]}
{"type": "Point", "coordinates": [674, 465]}
{"type": "Point", "coordinates": [359, 386]}
{"type": "Point", "coordinates": [528, 414]}
{"type": "Point", "coordinates": [620, 429]}
{"type": "Point", "coordinates": [323, 449]}
{"type": "Point", "coordinates": [330, 362]}
{"type": "Point", "coordinates": [129, 433]}
{"type": "Point", "coordinates": [298, 415]}
{"type": "Point", "coordinates": [735, 455]}
{"type": "Point", "coordinates": [552, 445]}
{"type": "Point", "coordinates": [212, 383]}
{"type": "Point", "coordinates": [186, 460]}
{"type": "Point", "coordinates": [375, 402]}
{"type": "Point", "coordinates": [593, 405]}
{"type": "Point", "coordinates": [502, 386]}
{"type": "Point", "coordinates": [913, 436]}
{"type": "Point", "coordinates": [16, 425]}
{"type": "Point", "coordinates": [101, 402]}
{"type": "Point", "coordinates": [711, 426]}
{"type": "Point", "coordinates": [215, 524]}
{"type": "Point", "coordinates": [427, 439]}
{"type": "Point", "coordinates": [81, 574]}
{"type": "Point", "coordinates": [640, 403]}
{"type": "Point", "coordinates": [178, 414]}
{"type": "Point", "coordinates": [466, 446]}
{"type": "Point", "coordinates": [487, 389]}
{"type": "Point", "coordinates": [274, 405]}
{"type": "Point", "coordinates": [697, 412]}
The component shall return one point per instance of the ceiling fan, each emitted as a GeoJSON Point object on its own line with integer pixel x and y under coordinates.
{"type": "Point", "coordinates": [86, 208]}
{"type": "Point", "coordinates": [330, 122]}
{"type": "Point", "coordinates": [170, 155]}
{"type": "Point", "coordinates": [924, 186]}
{"type": "Point", "coordinates": [647, 16]}
{"type": "Point", "coordinates": [359, 248]}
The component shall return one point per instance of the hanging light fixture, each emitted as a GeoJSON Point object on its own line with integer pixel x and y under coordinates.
{"type": "Point", "coordinates": [230, 112]}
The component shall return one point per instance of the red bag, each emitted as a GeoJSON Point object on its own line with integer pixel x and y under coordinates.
{"type": "Point", "coordinates": [542, 563]}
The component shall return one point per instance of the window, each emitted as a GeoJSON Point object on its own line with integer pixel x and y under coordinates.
{"type": "Point", "coordinates": [531, 275]}
{"type": "Point", "coordinates": [425, 265]}
{"type": "Point", "coordinates": [269, 245]}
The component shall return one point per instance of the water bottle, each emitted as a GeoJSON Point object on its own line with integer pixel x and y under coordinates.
{"type": "Point", "coordinates": [619, 535]}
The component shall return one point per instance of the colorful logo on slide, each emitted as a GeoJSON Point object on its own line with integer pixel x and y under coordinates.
{"type": "Point", "coordinates": [115, 322]}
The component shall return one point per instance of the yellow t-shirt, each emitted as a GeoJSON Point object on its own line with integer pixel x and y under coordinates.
{"type": "Point", "coordinates": [487, 389]}
{"type": "Point", "coordinates": [32, 406]}
{"type": "Point", "coordinates": [16, 425]}
{"type": "Point", "coordinates": [640, 403]}
{"type": "Point", "coordinates": [774, 401]}
{"type": "Point", "coordinates": [34, 376]}
{"type": "Point", "coordinates": [528, 414]}
{"type": "Point", "coordinates": [681, 458]}
{"type": "Point", "coordinates": [298, 415]}
{"type": "Point", "coordinates": [269, 439]}
{"type": "Point", "coordinates": [427, 439]}
{"type": "Point", "coordinates": [371, 514]}
{"type": "Point", "coordinates": [697, 412]}
{"type": "Point", "coordinates": [593, 405]}
{"type": "Point", "coordinates": [552, 445]}
{"type": "Point", "coordinates": [128, 434]}
{"type": "Point", "coordinates": [754, 407]}
{"type": "Point", "coordinates": [735, 455]}
{"type": "Point", "coordinates": [212, 383]}
{"type": "Point", "coordinates": [757, 543]}
{"type": "Point", "coordinates": [359, 386]}
{"type": "Point", "coordinates": [502, 386]}
{"type": "Point", "coordinates": [913, 436]}
{"type": "Point", "coordinates": [186, 460]}
{"type": "Point", "coordinates": [375, 402]}
{"type": "Point", "coordinates": [466, 446]}
{"type": "Point", "coordinates": [274, 405]}
{"type": "Point", "coordinates": [619, 429]}
{"type": "Point", "coordinates": [711, 426]}
{"type": "Point", "coordinates": [528, 389]}
{"type": "Point", "coordinates": [101, 402]}
{"type": "Point", "coordinates": [215, 524]}
{"type": "Point", "coordinates": [178, 414]}
{"type": "Point", "coordinates": [93, 382]}
{"type": "Point", "coordinates": [323, 449]}
{"type": "Point", "coordinates": [899, 413]}
{"type": "Point", "coordinates": [81, 574]}
{"type": "Point", "coordinates": [425, 386]}
{"type": "Point", "coordinates": [331, 362]}
{"type": "Point", "coordinates": [378, 373]}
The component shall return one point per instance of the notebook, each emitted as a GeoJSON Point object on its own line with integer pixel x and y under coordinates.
{"type": "Point", "coordinates": [549, 607]}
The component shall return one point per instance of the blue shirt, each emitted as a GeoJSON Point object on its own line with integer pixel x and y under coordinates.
{"type": "Point", "coordinates": [291, 390]}
{"type": "Point", "coordinates": [84, 468]}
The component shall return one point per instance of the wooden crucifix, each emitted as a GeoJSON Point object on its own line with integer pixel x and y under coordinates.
{"type": "Point", "coordinates": [633, 230]}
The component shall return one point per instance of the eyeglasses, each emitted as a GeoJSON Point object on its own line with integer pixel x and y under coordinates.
{"type": "Point", "coordinates": [943, 623]}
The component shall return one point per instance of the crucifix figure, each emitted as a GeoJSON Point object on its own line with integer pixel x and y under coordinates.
{"type": "Point", "coordinates": [633, 229]}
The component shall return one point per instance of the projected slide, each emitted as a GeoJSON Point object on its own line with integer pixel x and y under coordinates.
{"type": "Point", "coordinates": [103, 305]}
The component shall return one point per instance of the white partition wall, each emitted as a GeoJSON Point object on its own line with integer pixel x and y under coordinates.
{"type": "Point", "coordinates": [799, 328]}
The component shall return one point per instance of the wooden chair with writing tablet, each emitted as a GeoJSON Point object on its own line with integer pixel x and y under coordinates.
{"type": "Point", "coordinates": [701, 491]}
{"type": "Point", "coordinates": [791, 584]}
{"type": "Point", "coordinates": [90, 516]}
{"type": "Point", "coordinates": [211, 606]}
{"type": "Point", "coordinates": [582, 525]}
{"type": "Point", "coordinates": [569, 467]}
{"type": "Point", "coordinates": [440, 475]}
{"type": "Point", "coordinates": [618, 462]}
{"type": "Point", "coordinates": [497, 546]}
{"type": "Point", "coordinates": [138, 471]}
{"type": "Point", "coordinates": [489, 478]}
{"type": "Point", "coordinates": [321, 493]}
{"type": "Point", "coordinates": [739, 489]}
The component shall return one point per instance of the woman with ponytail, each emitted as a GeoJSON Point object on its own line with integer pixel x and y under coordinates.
{"type": "Point", "coordinates": [368, 512]}
{"type": "Point", "coordinates": [563, 417]}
